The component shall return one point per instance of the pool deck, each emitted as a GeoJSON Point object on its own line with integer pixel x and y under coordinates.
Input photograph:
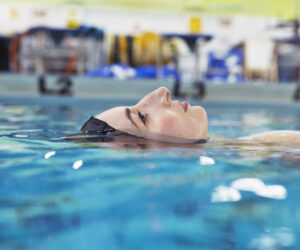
{"type": "Point", "coordinates": [83, 87]}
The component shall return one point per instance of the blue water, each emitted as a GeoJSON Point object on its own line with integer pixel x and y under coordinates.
{"type": "Point", "coordinates": [65, 194]}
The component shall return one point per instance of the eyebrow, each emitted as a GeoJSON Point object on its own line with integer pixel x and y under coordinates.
{"type": "Point", "coordinates": [128, 115]}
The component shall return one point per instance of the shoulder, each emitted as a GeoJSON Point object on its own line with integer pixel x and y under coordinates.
{"type": "Point", "coordinates": [291, 136]}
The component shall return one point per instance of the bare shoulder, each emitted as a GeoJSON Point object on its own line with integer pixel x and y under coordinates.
{"type": "Point", "coordinates": [291, 136]}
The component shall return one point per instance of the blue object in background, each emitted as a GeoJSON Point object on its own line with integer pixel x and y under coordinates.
{"type": "Point", "coordinates": [113, 71]}
{"type": "Point", "coordinates": [151, 72]}
{"type": "Point", "coordinates": [225, 67]}
{"type": "Point", "coordinates": [122, 71]}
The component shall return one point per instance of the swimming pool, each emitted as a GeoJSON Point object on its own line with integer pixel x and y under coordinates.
{"type": "Point", "coordinates": [60, 194]}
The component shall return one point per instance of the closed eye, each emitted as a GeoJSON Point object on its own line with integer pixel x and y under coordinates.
{"type": "Point", "coordinates": [142, 117]}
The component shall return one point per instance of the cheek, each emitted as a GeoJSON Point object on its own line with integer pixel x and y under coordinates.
{"type": "Point", "coordinates": [175, 125]}
{"type": "Point", "coordinates": [166, 124]}
{"type": "Point", "coordinates": [169, 125]}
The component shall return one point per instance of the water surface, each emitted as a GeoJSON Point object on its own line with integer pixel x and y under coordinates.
{"type": "Point", "coordinates": [59, 194]}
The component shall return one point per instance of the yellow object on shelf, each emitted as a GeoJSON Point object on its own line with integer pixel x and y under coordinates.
{"type": "Point", "coordinates": [195, 25]}
{"type": "Point", "coordinates": [73, 24]}
{"type": "Point", "coordinates": [143, 49]}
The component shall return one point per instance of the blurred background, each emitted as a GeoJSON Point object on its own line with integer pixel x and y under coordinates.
{"type": "Point", "coordinates": [195, 43]}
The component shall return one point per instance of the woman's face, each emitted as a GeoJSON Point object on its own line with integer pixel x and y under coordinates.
{"type": "Point", "coordinates": [157, 116]}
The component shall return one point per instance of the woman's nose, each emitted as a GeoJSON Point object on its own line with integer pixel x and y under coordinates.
{"type": "Point", "coordinates": [164, 96]}
{"type": "Point", "coordinates": [159, 96]}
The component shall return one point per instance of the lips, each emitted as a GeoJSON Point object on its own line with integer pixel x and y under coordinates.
{"type": "Point", "coordinates": [185, 106]}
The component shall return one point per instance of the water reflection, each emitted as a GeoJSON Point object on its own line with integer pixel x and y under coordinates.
{"type": "Point", "coordinates": [255, 119]}
{"type": "Point", "coordinates": [20, 136]}
{"type": "Point", "coordinates": [274, 239]}
{"type": "Point", "coordinates": [204, 160]}
{"type": "Point", "coordinates": [273, 192]}
{"type": "Point", "coordinates": [49, 154]}
{"type": "Point", "coordinates": [248, 184]}
{"type": "Point", "coordinates": [126, 141]}
{"type": "Point", "coordinates": [225, 194]}
{"type": "Point", "coordinates": [258, 187]}
{"type": "Point", "coordinates": [77, 164]}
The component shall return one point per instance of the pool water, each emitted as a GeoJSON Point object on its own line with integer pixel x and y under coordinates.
{"type": "Point", "coordinates": [64, 194]}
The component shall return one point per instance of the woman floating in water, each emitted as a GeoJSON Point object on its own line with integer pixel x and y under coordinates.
{"type": "Point", "coordinates": [157, 117]}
